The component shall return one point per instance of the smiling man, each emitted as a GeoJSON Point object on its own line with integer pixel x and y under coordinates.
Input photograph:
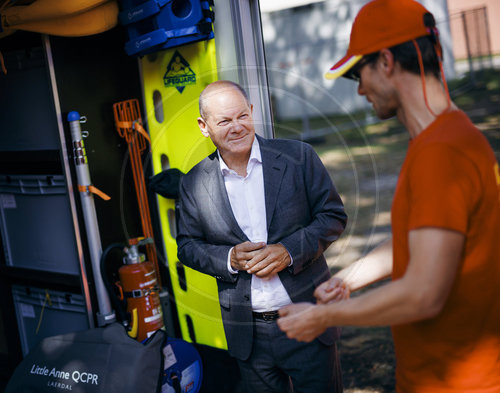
{"type": "Point", "coordinates": [257, 215]}
{"type": "Point", "coordinates": [443, 302]}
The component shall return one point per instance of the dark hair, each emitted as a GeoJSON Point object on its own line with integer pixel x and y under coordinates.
{"type": "Point", "coordinates": [406, 55]}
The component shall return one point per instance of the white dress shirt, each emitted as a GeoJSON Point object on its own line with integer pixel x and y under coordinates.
{"type": "Point", "coordinates": [246, 195]}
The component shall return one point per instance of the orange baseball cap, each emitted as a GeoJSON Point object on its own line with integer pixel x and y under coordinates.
{"type": "Point", "coordinates": [381, 24]}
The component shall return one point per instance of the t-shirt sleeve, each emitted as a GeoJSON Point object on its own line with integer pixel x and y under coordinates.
{"type": "Point", "coordinates": [444, 189]}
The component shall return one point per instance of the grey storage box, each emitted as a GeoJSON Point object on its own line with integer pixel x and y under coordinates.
{"type": "Point", "coordinates": [29, 119]}
{"type": "Point", "coordinates": [36, 223]}
{"type": "Point", "coordinates": [43, 313]}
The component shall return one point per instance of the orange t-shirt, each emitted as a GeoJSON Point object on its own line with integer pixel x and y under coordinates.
{"type": "Point", "coordinates": [450, 179]}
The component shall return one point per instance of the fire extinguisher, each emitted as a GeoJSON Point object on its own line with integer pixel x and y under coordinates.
{"type": "Point", "coordinates": [138, 288]}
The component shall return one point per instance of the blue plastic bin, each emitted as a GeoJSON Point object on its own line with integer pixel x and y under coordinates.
{"type": "Point", "coordinates": [160, 24]}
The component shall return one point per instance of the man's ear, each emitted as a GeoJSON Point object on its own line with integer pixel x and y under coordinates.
{"type": "Point", "coordinates": [387, 61]}
{"type": "Point", "coordinates": [203, 127]}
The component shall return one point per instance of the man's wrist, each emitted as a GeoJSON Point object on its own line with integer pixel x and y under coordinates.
{"type": "Point", "coordinates": [229, 266]}
{"type": "Point", "coordinates": [290, 255]}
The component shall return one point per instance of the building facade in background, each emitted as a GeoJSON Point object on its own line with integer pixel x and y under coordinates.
{"type": "Point", "coordinates": [301, 44]}
{"type": "Point", "coordinates": [474, 27]}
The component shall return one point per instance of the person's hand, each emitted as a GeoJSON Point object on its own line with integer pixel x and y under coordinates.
{"type": "Point", "coordinates": [268, 261]}
{"type": "Point", "coordinates": [332, 290]}
{"type": "Point", "coordinates": [244, 252]}
{"type": "Point", "coordinates": [301, 321]}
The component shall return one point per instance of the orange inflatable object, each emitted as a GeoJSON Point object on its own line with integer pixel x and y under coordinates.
{"type": "Point", "coordinates": [102, 16]}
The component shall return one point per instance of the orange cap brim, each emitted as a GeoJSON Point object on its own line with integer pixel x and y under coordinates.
{"type": "Point", "coordinates": [343, 66]}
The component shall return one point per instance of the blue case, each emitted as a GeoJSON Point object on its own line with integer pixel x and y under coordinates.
{"type": "Point", "coordinates": [160, 24]}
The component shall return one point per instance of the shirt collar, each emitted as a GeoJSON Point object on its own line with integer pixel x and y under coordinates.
{"type": "Point", "coordinates": [255, 156]}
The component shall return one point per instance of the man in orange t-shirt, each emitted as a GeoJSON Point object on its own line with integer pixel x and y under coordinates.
{"type": "Point", "coordinates": [443, 302]}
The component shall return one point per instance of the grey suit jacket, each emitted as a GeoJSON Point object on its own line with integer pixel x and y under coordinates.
{"type": "Point", "coordinates": [304, 213]}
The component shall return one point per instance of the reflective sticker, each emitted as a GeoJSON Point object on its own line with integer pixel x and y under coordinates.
{"type": "Point", "coordinates": [8, 201]}
{"type": "Point", "coordinates": [170, 358]}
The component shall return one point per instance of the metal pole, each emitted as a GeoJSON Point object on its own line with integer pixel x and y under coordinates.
{"type": "Point", "coordinates": [67, 176]}
{"type": "Point", "coordinates": [469, 54]}
{"type": "Point", "coordinates": [488, 38]}
{"type": "Point", "coordinates": [106, 314]}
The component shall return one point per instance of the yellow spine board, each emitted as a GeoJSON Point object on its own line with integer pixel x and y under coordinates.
{"type": "Point", "coordinates": [173, 80]}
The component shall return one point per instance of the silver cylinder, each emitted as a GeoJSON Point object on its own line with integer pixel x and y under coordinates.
{"type": "Point", "coordinates": [106, 314]}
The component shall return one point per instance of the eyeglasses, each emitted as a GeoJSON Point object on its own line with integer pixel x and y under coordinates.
{"type": "Point", "coordinates": [355, 72]}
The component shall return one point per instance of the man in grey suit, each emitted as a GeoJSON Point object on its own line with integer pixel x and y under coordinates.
{"type": "Point", "coordinates": [257, 215]}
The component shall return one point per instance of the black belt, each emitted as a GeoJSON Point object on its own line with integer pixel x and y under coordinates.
{"type": "Point", "coordinates": [267, 315]}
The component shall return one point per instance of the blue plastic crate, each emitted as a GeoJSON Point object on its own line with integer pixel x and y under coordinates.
{"type": "Point", "coordinates": [160, 24]}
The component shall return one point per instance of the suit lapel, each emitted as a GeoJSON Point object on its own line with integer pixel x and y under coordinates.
{"type": "Point", "coordinates": [273, 169]}
{"type": "Point", "coordinates": [214, 184]}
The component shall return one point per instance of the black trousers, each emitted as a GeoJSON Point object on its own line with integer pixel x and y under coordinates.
{"type": "Point", "coordinates": [278, 364]}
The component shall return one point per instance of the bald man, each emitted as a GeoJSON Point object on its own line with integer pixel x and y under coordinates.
{"type": "Point", "coordinates": [257, 215]}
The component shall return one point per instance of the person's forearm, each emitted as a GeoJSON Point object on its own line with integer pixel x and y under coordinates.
{"type": "Point", "coordinates": [391, 304]}
{"type": "Point", "coordinates": [206, 258]}
{"type": "Point", "coordinates": [373, 267]}
{"type": "Point", "coordinates": [422, 292]}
